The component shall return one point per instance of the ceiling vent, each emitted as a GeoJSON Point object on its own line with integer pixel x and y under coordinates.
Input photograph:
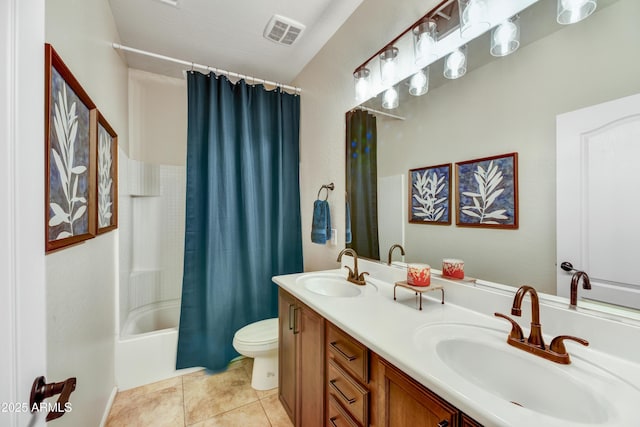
{"type": "Point", "coordinates": [283, 30]}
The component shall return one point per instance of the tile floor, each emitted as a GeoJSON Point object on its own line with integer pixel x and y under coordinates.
{"type": "Point", "coordinates": [200, 400]}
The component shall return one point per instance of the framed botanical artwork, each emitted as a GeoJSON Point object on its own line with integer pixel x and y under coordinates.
{"type": "Point", "coordinates": [430, 195]}
{"type": "Point", "coordinates": [487, 192]}
{"type": "Point", "coordinates": [69, 157]}
{"type": "Point", "coordinates": [107, 175]}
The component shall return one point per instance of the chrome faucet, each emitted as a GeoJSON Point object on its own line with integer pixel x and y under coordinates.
{"type": "Point", "coordinates": [354, 276]}
{"type": "Point", "coordinates": [556, 351]}
{"type": "Point", "coordinates": [391, 252]}
{"type": "Point", "coordinates": [575, 281]}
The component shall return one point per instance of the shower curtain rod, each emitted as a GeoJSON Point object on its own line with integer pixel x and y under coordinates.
{"type": "Point", "coordinates": [295, 89]}
{"type": "Point", "coordinates": [382, 113]}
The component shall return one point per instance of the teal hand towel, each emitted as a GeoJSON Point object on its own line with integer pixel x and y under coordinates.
{"type": "Point", "coordinates": [321, 225]}
{"type": "Point", "coordinates": [347, 215]}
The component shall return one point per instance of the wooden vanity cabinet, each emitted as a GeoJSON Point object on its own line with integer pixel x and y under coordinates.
{"type": "Point", "coordinates": [301, 361]}
{"type": "Point", "coordinates": [326, 377]}
{"type": "Point", "coordinates": [407, 403]}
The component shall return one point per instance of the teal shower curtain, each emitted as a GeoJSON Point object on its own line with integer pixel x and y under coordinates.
{"type": "Point", "coordinates": [242, 212]}
{"type": "Point", "coordinates": [362, 183]}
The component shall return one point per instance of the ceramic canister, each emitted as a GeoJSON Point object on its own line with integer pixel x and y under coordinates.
{"type": "Point", "coordinates": [419, 275]}
{"type": "Point", "coordinates": [453, 268]}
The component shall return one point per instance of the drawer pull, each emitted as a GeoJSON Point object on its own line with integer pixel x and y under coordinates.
{"type": "Point", "coordinates": [295, 321]}
{"type": "Point", "coordinates": [332, 420]}
{"type": "Point", "coordinates": [443, 423]}
{"type": "Point", "coordinates": [342, 353]}
{"type": "Point", "coordinates": [351, 400]}
{"type": "Point", "coordinates": [290, 316]}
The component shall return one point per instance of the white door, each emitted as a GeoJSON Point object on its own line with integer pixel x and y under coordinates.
{"type": "Point", "coordinates": [22, 281]}
{"type": "Point", "coordinates": [598, 200]}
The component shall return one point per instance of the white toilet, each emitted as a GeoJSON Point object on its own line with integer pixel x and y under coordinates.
{"type": "Point", "coordinates": [259, 340]}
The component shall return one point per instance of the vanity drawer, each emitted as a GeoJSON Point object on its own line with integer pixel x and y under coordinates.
{"type": "Point", "coordinates": [348, 393]}
{"type": "Point", "coordinates": [338, 416]}
{"type": "Point", "coordinates": [349, 353]}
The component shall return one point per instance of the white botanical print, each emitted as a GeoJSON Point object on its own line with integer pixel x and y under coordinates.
{"type": "Point", "coordinates": [428, 188]}
{"type": "Point", "coordinates": [488, 181]}
{"type": "Point", "coordinates": [104, 178]}
{"type": "Point", "coordinates": [65, 121]}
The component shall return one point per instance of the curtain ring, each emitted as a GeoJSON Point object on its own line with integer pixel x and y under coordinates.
{"type": "Point", "coordinates": [192, 68]}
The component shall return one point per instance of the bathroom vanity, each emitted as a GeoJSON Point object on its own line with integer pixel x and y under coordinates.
{"type": "Point", "coordinates": [352, 356]}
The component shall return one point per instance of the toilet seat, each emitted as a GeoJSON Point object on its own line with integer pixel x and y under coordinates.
{"type": "Point", "coordinates": [258, 334]}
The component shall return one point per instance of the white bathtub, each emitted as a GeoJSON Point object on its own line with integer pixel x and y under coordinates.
{"type": "Point", "coordinates": [146, 349]}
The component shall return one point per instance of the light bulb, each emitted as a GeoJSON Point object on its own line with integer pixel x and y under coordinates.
{"type": "Point", "coordinates": [474, 17]}
{"type": "Point", "coordinates": [419, 83]}
{"type": "Point", "coordinates": [390, 98]}
{"type": "Point", "coordinates": [455, 60]}
{"type": "Point", "coordinates": [361, 77]}
{"type": "Point", "coordinates": [362, 89]}
{"type": "Point", "coordinates": [505, 33]}
{"type": "Point", "coordinates": [455, 64]}
{"type": "Point", "coordinates": [572, 11]}
{"type": "Point", "coordinates": [505, 38]}
{"type": "Point", "coordinates": [388, 71]}
{"type": "Point", "coordinates": [426, 45]}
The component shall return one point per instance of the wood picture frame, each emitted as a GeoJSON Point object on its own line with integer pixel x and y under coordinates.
{"type": "Point", "coordinates": [487, 192]}
{"type": "Point", "coordinates": [430, 195]}
{"type": "Point", "coordinates": [106, 174]}
{"type": "Point", "coordinates": [69, 210]}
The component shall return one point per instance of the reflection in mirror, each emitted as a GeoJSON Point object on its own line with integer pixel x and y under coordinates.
{"type": "Point", "coordinates": [502, 105]}
{"type": "Point", "coordinates": [361, 184]}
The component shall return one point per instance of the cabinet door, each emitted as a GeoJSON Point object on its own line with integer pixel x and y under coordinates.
{"type": "Point", "coordinates": [287, 353]}
{"type": "Point", "coordinates": [408, 403]}
{"type": "Point", "coordinates": [309, 330]}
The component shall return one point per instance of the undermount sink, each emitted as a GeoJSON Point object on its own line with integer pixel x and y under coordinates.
{"type": "Point", "coordinates": [330, 285]}
{"type": "Point", "coordinates": [477, 360]}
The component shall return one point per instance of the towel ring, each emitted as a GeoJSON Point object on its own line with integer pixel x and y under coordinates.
{"type": "Point", "coordinates": [326, 187]}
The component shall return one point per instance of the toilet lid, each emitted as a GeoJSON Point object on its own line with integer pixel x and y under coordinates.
{"type": "Point", "coordinates": [260, 332]}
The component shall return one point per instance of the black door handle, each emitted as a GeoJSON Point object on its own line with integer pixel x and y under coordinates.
{"type": "Point", "coordinates": [40, 390]}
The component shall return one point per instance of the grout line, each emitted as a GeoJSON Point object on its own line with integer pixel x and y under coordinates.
{"type": "Point", "coordinates": [184, 402]}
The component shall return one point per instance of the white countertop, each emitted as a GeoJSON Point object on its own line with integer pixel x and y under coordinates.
{"type": "Point", "coordinates": [390, 327]}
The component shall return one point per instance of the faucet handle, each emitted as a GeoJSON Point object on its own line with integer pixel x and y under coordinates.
{"type": "Point", "coordinates": [361, 276]}
{"type": "Point", "coordinates": [351, 273]}
{"type": "Point", "coordinates": [516, 331]}
{"type": "Point", "coordinates": [557, 344]}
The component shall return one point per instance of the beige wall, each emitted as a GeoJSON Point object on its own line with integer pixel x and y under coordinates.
{"type": "Point", "coordinates": [568, 70]}
{"type": "Point", "coordinates": [327, 85]}
{"type": "Point", "coordinates": [81, 280]}
{"type": "Point", "coordinates": [158, 118]}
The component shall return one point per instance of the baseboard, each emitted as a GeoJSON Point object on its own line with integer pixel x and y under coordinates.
{"type": "Point", "coordinates": [107, 409]}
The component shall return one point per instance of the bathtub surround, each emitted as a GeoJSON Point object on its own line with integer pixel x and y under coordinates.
{"type": "Point", "coordinates": [242, 213]}
{"type": "Point", "coordinates": [152, 199]}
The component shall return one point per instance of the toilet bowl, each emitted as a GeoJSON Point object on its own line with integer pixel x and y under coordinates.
{"type": "Point", "coordinates": [259, 340]}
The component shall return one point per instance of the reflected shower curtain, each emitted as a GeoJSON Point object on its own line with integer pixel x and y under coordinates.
{"type": "Point", "coordinates": [362, 183]}
{"type": "Point", "coordinates": [242, 212]}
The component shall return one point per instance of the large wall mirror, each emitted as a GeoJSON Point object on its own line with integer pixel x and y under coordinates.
{"type": "Point", "coordinates": [502, 105]}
